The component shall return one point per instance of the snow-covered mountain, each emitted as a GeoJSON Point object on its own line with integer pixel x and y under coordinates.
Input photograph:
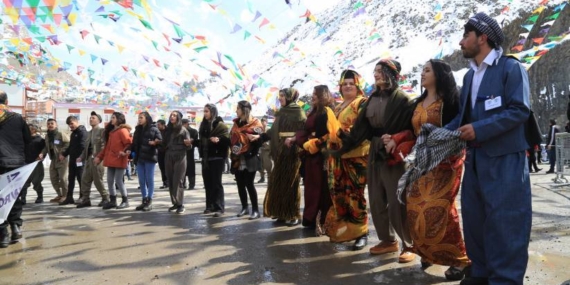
{"type": "Point", "coordinates": [410, 31]}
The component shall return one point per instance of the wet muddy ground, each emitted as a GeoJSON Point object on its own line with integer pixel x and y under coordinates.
{"type": "Point", "coordinates": [65, 245]}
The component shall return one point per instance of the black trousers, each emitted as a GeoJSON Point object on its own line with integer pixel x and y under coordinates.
{"type": "Point", "coordinates": [190, 168]}
{"type": "Point", "coordinates": [212, 176]}
{"type": "Point", "coordinates": [36, 179]}
{"type": "Point", "coordinates": [75, 172]}
{"type": "Point", "coordinates": [161, 165]}
{"type": "Point", "coordinates": [532, 160]}
{"type": "Point", "coordinates": [14, 217]}
{"type": "Point", "coordinates": [245, 186]}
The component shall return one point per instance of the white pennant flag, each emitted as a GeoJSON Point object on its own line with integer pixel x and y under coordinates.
{"type": "Point", "coordinates": [10, 186]}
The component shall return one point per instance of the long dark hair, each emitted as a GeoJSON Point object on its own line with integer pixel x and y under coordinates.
{"type": "Point", "coordinates": [110, 127]}
{"type": "Point", "coordinates": [324, 99]}
{"type": "Point", "coordinates": [245, 108]}
{"type": "Point", "coordinates": [206, 125]}
{"type": "Point", "coordinates": [445, 85]}
{"type": "Point", "coordinates": [140, 129]}
{"type": "Point", "coordinates": [176, 127]}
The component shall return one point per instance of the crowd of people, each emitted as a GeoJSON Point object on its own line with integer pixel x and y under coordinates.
{"type": "Point", "coordinates": [343, 148]}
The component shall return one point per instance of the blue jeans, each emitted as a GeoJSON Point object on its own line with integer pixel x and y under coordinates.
{"type": "Point", "coordinates": [145, 170]}
{"type": "Point", "coordinates": [551, 158]}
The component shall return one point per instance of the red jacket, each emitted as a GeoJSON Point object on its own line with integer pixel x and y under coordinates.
{"type": "Point", "coordinates": [119, 140]}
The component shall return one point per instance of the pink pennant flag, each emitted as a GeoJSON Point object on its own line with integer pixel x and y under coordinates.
{"type": "Point", "coordinates": [264, 22]}
{"type": "Point", "coordinates": [84, 33]}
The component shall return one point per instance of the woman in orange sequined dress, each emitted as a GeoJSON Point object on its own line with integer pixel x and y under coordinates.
{"type": "Point", "coordinates": [430, 204]}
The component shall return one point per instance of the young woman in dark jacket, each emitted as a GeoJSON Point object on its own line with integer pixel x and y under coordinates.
{"type": "Point", "coordinates": [245, 156]}
{"type": "Point", "coordinates": [145, 141]}
{"type": "Point", "coordinates": [213, 146]}
{"type": "Point", "coordinates": [178, 141]}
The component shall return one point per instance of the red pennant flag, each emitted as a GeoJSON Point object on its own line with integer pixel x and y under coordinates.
{"type": "Point", "coordinates": [543, 2]}
{"type": "Point", "coordinates": [84, 33]}
{"type": "Point", "coordinates": [201, 38]}
{"type": "Point", "coordinates": [27, 40]}
{"type": "Point", "coordinates": [306, 15]}
{"type": "Point", "coordinates": [506, 9]}
{"type": "Point", "coordinates": [542, 52]}
{"type": "Point", "coordinates": [538, 40]}
{"type": "Point", "coordinates": [125, 68]}
{"type": "Point", "coordinates": [167, 38]}
{"type": "Point", "coordinates": [264, 22]}
{"type": "Point", "coordinates": [156, 62]}
{"type": "Point", "coordinates": [517, 48]}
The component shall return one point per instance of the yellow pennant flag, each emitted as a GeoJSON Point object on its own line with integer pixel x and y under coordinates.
{"type": "Point", "coordinates": [438, 16]}
{"type": "Point", "coordinates": [132, 13]}
{"type": "Point", "coordinates": [272, 27]}
{"type": "Point", "coordinates": [15, 41]}
{"type": "Point", "coordinates": [64, 26]}
{"type": "Point", "coordinates": [120, 48]}
{"type": "Point", "coordinates": [72, 18]}
{"type": "Point", "coordinates": [65, 2]}
{"type": "Point", "coordinates": [13, 14]}
{"type": "Point", "coordinates": [539, 9]}
{"type": "Point", "coordinates": [81, 52]}
{"type": "Point", "coordinates": [147, 8]}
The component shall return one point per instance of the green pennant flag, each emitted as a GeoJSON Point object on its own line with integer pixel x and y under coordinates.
{"type": "Point", "coordinates": [155, 44]}
{"type": "Point", "coordinates": [246, 35]}
{"type": "Point", "coordinates": [134, 71]}
{"type": "Point", "coordinates": [231, 60]}
{"type": "Point", "coordinates": [69, 48]}
{"type": "Point", "coordinates": [91, 80]}
{"type": "Point", "coordinates": [238, 76]}
{"type": "Point", "coordinates": [34, 29]}
{"type": "Point", "coordinates": [33, 3]}
{"type": "Point", "coordinates": [554, 16]}
{"type": "Point", "coordinates": [138, 3]}
{"type": "Point", "coordinates": [556, 38]}
{"type": "Point", "coordinates": [146, 24]}
{"type": "Point", "coordinates": [90, 71]}
{"type": "Point", "coordinates": [532, 19]}
{"type": "Point", "coordinates": [199, 49]}
{"type": "Point", "coordinates": [178, 30]}
{"type": "Point", "coordinates": [166, 66]}
{"type": "Point", "coordinates": [41, 39]}
{"type": "Point", "coordinates": [97, 38]}
{"type": "Point", "coordinates": [42, 17]}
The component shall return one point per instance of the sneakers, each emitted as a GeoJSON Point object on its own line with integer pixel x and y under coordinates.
{"type": "Point", "coordinates": [262, 180]}
{"type": "Point", "coordinates": [173, 208]}
{"type": "Point", "coordinates": [180, 210]}
{"type": "Point", "coordinates": [384, 247]}
{"type": "Point", "coordinates": [406, 257]}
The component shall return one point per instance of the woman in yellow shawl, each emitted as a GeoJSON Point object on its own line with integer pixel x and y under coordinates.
{"type": "Point", "coordinates": [347, 219]}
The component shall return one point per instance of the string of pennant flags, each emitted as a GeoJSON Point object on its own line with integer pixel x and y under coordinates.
{"type": "Point", "coordinates": [39, 17]}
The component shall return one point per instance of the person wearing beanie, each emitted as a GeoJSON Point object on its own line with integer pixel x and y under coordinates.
{"type": "Point", "coordinates": [283, 196]}
{"type": "Point", "coordinates": [115, 155]}
{"type": "Point", "coordinates": [214, 147]}
{"type": "Point", "coordinates": [495, 192]}
{"type": "Point", "coordinates": [176, 142]}
{"type": "Point", "coordinates": [93, 174]}
{"type": "Point", "coordinates": [387, 111]}
{"type": "Point", "coordinates": [347, 219]}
